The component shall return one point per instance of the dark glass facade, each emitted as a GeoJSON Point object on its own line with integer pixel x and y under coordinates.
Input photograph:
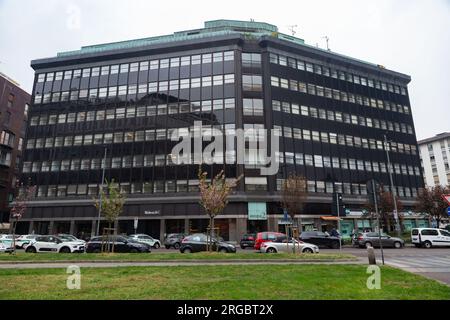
{"type": "Point", "coordinates": [330, 113]}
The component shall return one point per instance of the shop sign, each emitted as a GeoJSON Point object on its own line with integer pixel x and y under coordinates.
{"type": "Point", "coordinates": [257, 211]}
{"type": "Point", "coordinates": [152, 212]}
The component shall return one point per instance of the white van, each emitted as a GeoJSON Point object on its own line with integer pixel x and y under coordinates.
{"type": "Point", "coordinates": [430, 237]}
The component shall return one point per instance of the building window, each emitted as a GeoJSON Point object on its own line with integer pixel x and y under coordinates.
{"type": "Point", "coordinates": [252, 83]}
{"type": "Point", "coordinates": [253, 107]}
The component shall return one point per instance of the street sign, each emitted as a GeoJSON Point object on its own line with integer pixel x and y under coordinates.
{"type": "Point", "coordinates": [136, 221]}
{"type": "Point", "coordinates": [446, 198]}
{"type": "Point", "coordinates": [448, 211]}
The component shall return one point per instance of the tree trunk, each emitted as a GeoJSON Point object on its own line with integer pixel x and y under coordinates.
{"type": "Point", "coordinates": [14, 225]}
{"type": "Point", "coordinates": [114, 237]}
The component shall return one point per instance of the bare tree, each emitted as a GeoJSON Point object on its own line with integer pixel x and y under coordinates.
{"type": "Point", "coordinates": [19, 208]}
{"type": "Point", "coordinates": [430, 200]}
{"type": "Point", "coordinates": [214, 196]}
{"type": "Point", "coordinates": [386, 209]}
{"type": "Point", "coordinates": [294, 193]}
{"type": "Point", "coordinates": [111, 205]}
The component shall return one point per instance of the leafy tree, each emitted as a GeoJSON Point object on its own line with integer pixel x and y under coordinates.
{"type": "Point", "coordinates": [19, 208]}
{"type": "Point", "coordinates": [294, 193]}
{"type": "Point", "coordinates": [214, 196]}
{"type": "Point", "coordinates": [430, 201]}
{"type": "Point", "coordinates": [386, 209]}
{"type": "Point", "coordinates": [111, 206]}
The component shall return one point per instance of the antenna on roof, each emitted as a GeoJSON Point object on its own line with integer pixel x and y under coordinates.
{"type": "Point", "coordinates": [292, 29]}
{"type": "Point", "coordinates": [252, 20]}
{"type": "Point", "coordinates": [327, 39]}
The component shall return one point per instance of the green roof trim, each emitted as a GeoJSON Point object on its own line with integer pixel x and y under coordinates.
{"type": "Point", "coordinates": [212, 28]}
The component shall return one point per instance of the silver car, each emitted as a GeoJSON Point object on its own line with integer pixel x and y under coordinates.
{"type": "Point", "coordinates": [371, 239]}
{"type": "Point", "coordinates": [284, 246]}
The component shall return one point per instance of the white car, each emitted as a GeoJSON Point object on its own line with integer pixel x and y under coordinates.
{"type": "Point", "coordinates": [69, 237]}
{"type": "Point", "coordinates": [5, 246]}
{"type": "Point", "coordinates": [7, 238]}
{"type": "Point", "coordinates": [23, 241]}
{"type": "Point", "coordinates": [54, 244]}
{"type": "Point", "coordinates": [430, 237]}
{"type": "Point", "coordinates": [300, 246]}
{"type": "Point", "coordinates": [143, 238]}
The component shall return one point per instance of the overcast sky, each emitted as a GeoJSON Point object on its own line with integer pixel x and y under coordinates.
{"type": "Point", "coordinates": [409, 36]}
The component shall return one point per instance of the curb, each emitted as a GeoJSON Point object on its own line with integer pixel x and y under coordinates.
{"type": "Point", "coordinates": [193, 261]}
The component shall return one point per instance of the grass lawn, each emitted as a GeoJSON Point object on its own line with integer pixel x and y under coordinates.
{"type": "Point", "coordinates": [21, 256]}
{"type": "Point", "coordinates": [219, 282]}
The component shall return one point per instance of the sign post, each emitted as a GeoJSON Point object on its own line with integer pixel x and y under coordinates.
{"type": "Point", "coordinates": [136, 221]}
{"type": "Point", "coordinates": [372, 189]}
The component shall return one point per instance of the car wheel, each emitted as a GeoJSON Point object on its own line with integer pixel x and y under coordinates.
{"type": "Point", "coordinates": [157, 245]}
{"type": "Point", "coordinates": [64, 250]}
{"type": "Point", "coordinates": [134, 250]}
{"type": "Point", "coordinates": [271, 250]}
{"type": "Point", "coordinates": [176, 246]}
{"type": "Point", "coordinates": [167, 247]}
{"type": "Point", "coordinates": [308, 250]}
{"type": "Point", "coordinates": [187, 250]}
{"type": "Point", "coordinates": [242, 247]}
{"type": "Point", "coordinates": [96, 250]}
{"type": "Point", "coordinates": [368, 244]}
{"type": "Point", "coordinates": [427, 244]}
{"type": "Point", "coordinates": [31, 250]}
{"type": "Point", "coordinates": [397, 245]}
{"type": "Point", "coordinates": [223, 250]}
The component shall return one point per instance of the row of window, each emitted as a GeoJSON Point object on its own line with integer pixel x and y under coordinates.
{"type": "Point", "coordinates": [251, 131]}
{"type": "Point", "coordinates": [132, 112]}
{"type": "Point", "coordinates": [319, 161]}
{"type": "Point", "coordinates": [331, 115]}
{"type": "Point", "coordinates": [336, 74]}
{"type": "Point", "coordinates": [171, 186]}
{"type": "Point", "coordinates": [342, 139]}
{"type": "Point", "coordinates": [251, 160]}
{"type": "Point", "coordinates": [348, 188]}
{"type": "Point", "coordinates": [132, 89]}
{"type": "Point", "coordinates": [121, 137]}
{"type": "Point", "coordinates": [137, 66]}
{"type": "Point", "coordinates": [320, 91]}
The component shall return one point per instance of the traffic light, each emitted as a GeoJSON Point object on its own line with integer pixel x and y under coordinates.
{"type": "Point", "coordinates": [337, 202]}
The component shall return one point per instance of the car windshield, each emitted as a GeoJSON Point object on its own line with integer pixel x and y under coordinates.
{"type": "Point", "coordinates": [68, 238]}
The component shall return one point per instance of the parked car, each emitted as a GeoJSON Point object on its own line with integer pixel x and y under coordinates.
{"type": "Point", "coordinates": [69, 237]}
{"type": "Point", "coordinates": [121, 244]}
{"type": "Point", "coordinates": [5, 246]}
{"type": "Point", "coordinates": [7, 238]}
{"type": "Point", "coordinates": [54, 244]}
{"type": "Point", "coordinates": [430, 237]}
{"type": "Point", "coordinates": [248, 241]}
{"type": "Point", "coordinates": [372, 239]}
{"type": "Point", "coordinates": [198, 242]}
{"type": "Point", "coordinates": [23, 241]}
{"type": "Point", "coordinates": [173, 240]}
{"type": "Point", "coordinates": [285, 246]}
{"type": "Point", "coordinates": [155, 243]}
{"type": "Point", "coordinates": [320, 239]}
{"type": "Point", "coordinates": [267, 236]}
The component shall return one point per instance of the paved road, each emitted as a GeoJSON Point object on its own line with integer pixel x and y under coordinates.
{"type": "Point", "coordinates": [432, 263]}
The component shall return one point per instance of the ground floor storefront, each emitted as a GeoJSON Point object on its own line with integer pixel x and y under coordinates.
{"type": "Point", "coordinates": [159, 218]}
{"type": "Point", "coordinates": [229, 228]}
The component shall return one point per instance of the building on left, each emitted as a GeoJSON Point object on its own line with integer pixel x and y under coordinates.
{"type": "Point", "coordinates": [14, 105]}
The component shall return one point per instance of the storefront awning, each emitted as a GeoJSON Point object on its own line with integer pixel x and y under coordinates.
{"type": "Point", "coordinates": [4, 226]}
{"type": "Point", "coordinates": [330, 218]}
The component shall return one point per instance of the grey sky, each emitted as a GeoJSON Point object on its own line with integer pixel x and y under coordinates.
{"type": "Point", "coordinates": [409, 36]}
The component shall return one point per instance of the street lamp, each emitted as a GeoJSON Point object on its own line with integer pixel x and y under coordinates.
{"type": "Point", "coordinates": [394, 193]}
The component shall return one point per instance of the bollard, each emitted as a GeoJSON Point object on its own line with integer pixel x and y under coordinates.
{"type": "Point", "coordinates": [371, 255]}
